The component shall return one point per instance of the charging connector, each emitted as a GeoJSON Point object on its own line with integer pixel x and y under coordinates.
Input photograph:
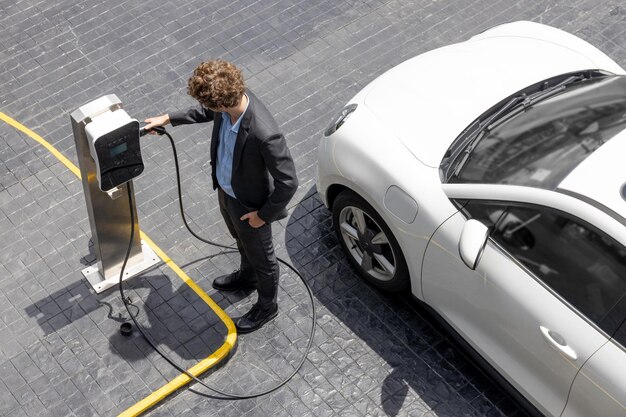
{"type": "Point", "coordinates": [160, 130]}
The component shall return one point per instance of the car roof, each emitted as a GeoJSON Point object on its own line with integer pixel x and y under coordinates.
{"type": "Point", "coordinates": [600, 179]}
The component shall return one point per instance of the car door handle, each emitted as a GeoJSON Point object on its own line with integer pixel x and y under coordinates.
{"type": "Point", "coordinates": [558, 342]}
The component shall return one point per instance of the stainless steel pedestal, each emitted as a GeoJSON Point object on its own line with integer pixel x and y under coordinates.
{"type": "Point", "coordinates": [109, 215]}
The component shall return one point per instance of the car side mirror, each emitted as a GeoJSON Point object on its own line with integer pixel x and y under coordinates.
{"type": "Point", "coordinates": [472, 242]}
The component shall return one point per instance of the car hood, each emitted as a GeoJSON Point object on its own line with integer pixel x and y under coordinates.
{"type": "Point", "coordinates": [427, 101]}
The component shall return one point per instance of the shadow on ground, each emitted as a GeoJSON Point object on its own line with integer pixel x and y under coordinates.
{"type": "Point", "coordinates": [170, 312]}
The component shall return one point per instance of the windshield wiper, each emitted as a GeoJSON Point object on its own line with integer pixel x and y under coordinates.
{"type": "Point", "coordinates": [482, 128]}
{"type": "Point", "coordinates": [535, 98]}
{"type": "Point", "coordinates": [510, 109]}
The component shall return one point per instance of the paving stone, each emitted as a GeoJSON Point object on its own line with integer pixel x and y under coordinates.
{"type": "Point", "coordinates": [372, 354]}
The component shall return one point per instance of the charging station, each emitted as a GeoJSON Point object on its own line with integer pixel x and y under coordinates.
{"type": "Point", "coordinates": [109, 157]}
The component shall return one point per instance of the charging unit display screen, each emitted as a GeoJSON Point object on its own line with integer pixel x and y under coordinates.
{"type": "Point", "coordinates": [118, 149]}
{"type": "Point", "coordinates": [114, 145]}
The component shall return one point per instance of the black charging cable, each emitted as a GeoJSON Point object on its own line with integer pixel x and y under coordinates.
{"type": "Point", "coordinates": [226, 396]}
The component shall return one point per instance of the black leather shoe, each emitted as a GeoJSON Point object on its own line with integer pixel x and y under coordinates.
{"type": "Point", "coordinates": [232, 282]}
{"type": "Point", "coordinates": [256, 318]}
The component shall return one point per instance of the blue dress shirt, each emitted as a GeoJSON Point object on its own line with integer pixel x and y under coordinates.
{"type": "Point", "coordinates": [226, 150]}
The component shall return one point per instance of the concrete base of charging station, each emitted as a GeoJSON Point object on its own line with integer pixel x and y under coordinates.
{"type": "Point", "coordinates": [99, 284]}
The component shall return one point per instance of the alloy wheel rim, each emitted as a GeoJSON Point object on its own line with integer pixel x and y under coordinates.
{"type": "Point", "coordinates": [367, 243]}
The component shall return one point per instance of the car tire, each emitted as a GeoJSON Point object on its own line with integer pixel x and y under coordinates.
{"type": "Point", "coordinates": [368, 242]}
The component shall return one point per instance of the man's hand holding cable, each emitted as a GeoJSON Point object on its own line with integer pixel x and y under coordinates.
{"type": "Point", "coordinates": [253, 219]}
{"type": "Point", "coordinates": [155, 122]}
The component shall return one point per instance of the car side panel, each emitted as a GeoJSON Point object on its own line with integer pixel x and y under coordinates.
{"type": "Point", "coordinates": [499, 309]}
{"type": "Point", "coordinates": [369, 160]}
{"type": "Point", "coordinates": [600, 386]}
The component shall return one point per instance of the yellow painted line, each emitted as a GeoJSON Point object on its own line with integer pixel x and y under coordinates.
{"type": "Point", "coordinates": [41, 140]}
{"type": "Point", "coordinates": [201, 366]}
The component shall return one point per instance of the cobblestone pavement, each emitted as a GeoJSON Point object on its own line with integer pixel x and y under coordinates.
{"type": "Point", "coordinates": [373, 354]}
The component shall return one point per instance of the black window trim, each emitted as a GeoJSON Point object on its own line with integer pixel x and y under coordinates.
{"type": "Point", "coordinates": [616, 216]}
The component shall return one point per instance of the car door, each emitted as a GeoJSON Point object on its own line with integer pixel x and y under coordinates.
{"type": "Point", "coordinates": [600, 387]}
{"type": "Point", "coordinates": [511, 308]}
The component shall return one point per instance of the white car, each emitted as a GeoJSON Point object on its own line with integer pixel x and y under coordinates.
{"type": "Point", "coordinates": [489, 178]}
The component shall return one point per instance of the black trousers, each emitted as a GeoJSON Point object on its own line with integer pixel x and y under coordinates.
{"type": "Point", "coordinates": [258, 261]}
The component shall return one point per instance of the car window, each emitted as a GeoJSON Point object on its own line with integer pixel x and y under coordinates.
{"type": "Point", "coordinates": [582, 264]}
{"type": "Point", "coordinates": [543, 144]}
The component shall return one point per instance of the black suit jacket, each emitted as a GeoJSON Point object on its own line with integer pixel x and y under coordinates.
{"type": "Point", "coordinates": [264, 175]}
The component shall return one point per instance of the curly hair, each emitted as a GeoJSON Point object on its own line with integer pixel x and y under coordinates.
{"type": "Point", "coordinates": [216, 83]}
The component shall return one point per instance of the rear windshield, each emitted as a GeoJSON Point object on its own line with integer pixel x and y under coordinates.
{"type": "Point", "coordinates": [542, 145]}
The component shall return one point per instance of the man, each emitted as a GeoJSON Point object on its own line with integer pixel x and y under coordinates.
{"type": "Point", "coordinates": [254, 173]}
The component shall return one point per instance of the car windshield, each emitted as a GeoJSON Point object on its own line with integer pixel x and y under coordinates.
{"type": "Point", "coordinates": [540, 146]}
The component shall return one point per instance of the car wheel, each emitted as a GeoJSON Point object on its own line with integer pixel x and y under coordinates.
{"type": "Point", "coordinates": [371, 247]}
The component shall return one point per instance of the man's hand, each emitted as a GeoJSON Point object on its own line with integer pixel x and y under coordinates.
{"type": "Point", "coordinates": [156, 121]}
{"type": "Point", "coordinates": [253, 219]}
